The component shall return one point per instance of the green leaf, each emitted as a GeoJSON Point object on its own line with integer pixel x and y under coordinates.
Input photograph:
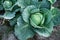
{"type": "Point", "coordinates": [10, 7]}
{"type": "Point", "coordinates": [23, 31]}
{"type": "Point", "coordinates": [46, 32]}
{"type": "Point", "coordinates": [37, 18]}
{"type": "Point", "coordinates": [34, 25]}
{"type": "Point", "coordinates": [48, 15]}
{"type": "Point", "coordinates": [35, 10]}
{"type": "Point", "coordinates": [54, 11]}
{"type": "Point", "coordinates": [26, 13]}
{"type": "Point", "coordinates": [25, 3]}
{"type": "Point", "coordinates": [1, 1]}
{"type": "Point", "coordinates": [7, 4]}
{"type": "Point", "coordinates": [49, 26]}
{"type": "Point", "coordinates": [9, 15]}
{"type": "Point", "coordinates": [13, 1]}
{"type": "Point", "coordinates": [14, 20]}
{"type": "Point", "coordinates": [1, 7]}
{"type": "Point", "coordinates": [45, 4]}
{"type": "Point", "coordinates": [16, 8]}
{"type": "Point", "coordinates": [56, 18]}
{"type": "Point", "coordinates": [52, 1]}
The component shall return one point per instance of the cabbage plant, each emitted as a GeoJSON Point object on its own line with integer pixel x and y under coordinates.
{"type": "Point", "coordinates": [7, 4]}
{"type": "Point", "coordinates": [34, 20]}
{"type": "Point", "coordinates": [30, 17]}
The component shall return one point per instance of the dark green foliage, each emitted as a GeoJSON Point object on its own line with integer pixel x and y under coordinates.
{"type": "Point", "coordinates": [30, 17]}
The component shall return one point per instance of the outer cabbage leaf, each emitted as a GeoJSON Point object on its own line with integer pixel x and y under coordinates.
{"type": "Point", "coordinates": [48, 15]}
{"type": "Point", "coordinates": [9, 15]}
{"type": "Point", "coordinates": [25, 3]}
{"type": "Point", "coordinates": [1, 1]}
{"type": "Point", "coordinates": [46, 32]}
{"type": "Point", "coordinates": [52, 1]}
{"type": "Point", "coordinates": [14, 20]}
{"type": "Point", "coordinates": [56, 16]}
{"type": "Point", "coordinates": [16, 8]}
{"type": "Point", "coordinates": [23, 31]}
{"type": "Point", "coordinates": [1, 7]}
{"type": "Point", "coordinates": [45, 4]}
{"type": "Point", "coordinates": [26, 13]}
{"type": "Point", "coordinates": [13, 1]}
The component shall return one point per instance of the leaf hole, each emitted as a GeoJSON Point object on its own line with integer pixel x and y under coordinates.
{"type": "Point", "coordinates": [2, 12]}
{"type": "Point", "coordinates": [39, 0]}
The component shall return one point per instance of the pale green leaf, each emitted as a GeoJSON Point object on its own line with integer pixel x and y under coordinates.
{"type": "Point", "coordinates": [23, 31]}
{"type": "Point", "coordinates": [25, 3]}
{"type": "Point", "coordinates": [56, 17]}
{"type": "Point", "coordinates": [52, 1]}
{"type": "Point", "coordinates": [27, 12]}
{"type": "Point", "coordinates": [14, 20]}
{"type": "Point", "coordinates": [1, 7]}
{"type": "Point", "coordinates": [34, 25]}
{"type": "Point", "coordinates": [45, 4]}
{"type": "Point", "coordinates": [48, 15]}
{"type": "Point", "coordinates": [9, 15]}
{"type": "Point", "coordinates": [45, 32]}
